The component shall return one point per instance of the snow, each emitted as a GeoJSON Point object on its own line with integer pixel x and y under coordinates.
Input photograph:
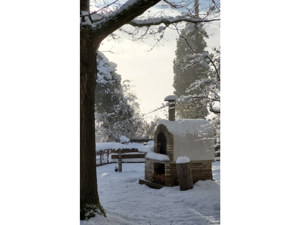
{"type": "Point", "coordinates": [117, 146]}
{"type": "Point", "coordinates": [170, 98]}
{"type": "Point", "coordinates": [157, 156]}
{"type": "Point", "coordinates": [111, 145]}
{"type": "Point", "coordinates": [150, 143]}
{"type": "Point", "coordinates": [182, 159]}
{"type": "Point", "coordinates": [188, 126]}
{"type": "Point", "coordinates": [105, 145]}
{"type": "Point", "coordinates": [124, 139]}
{"type": "Point", "coordinates": [146, 148]}
{"type": "Point", "coordinates": [126, 202]}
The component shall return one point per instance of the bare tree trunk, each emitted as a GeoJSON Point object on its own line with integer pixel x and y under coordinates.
{"type": "Point", "coordinates": [184, 176]}
{"type": "Point", "coordinates": [90, 40]}
{"type": "Point", "coordinates": [89, 199]}
{"type": "Point", "coordinates": [196, 8]}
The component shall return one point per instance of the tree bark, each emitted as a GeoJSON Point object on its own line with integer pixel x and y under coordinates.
{"type": "Point", "coordinates": [184, 176]}
{"type": "Point", "coordinates": [89, 199]}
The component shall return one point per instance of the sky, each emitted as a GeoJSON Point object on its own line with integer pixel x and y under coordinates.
{"type": "Point", "coordinates": [151, 72]}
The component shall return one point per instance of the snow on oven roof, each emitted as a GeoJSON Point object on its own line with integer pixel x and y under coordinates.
{"type": "Point", "coordinates": [199, 127]}
{"type": "Point", "coordinates": [170, 98]}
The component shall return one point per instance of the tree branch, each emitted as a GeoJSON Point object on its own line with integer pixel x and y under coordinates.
{"type": "Point", "coordinates": [169, 3]}
{"type": "Point", "coordinates": [129, 11]}
{"type": "Point", "coordinates": [214, 66]}
{"type": "Point", "coordinates": [216, 5]}
{"type": "Point", "coordinates": [184, 39]}
{"type": "Point", "coordinates": [100, 9]}
{"type": "Point", "coordinates": [167, 21]}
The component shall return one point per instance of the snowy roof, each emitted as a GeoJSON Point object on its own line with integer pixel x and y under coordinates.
{"type": "Point", "coordinates": [170, 98]}
{"type": "Point", "coordinates": [197, 127]}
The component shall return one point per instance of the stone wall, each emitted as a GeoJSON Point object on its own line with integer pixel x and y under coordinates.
{"type": "Point", "coordinates": [169, 140]}
{"type": "Point", "coordinates": [171, 174]}
{"type": "Point", "coordinates": [201, 171]}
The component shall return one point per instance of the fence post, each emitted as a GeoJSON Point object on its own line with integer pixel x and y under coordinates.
{"type": "Point", "coordinates": [120, 160]}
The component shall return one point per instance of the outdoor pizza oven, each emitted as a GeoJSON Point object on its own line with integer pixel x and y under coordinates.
{"type": "Point", "coordinates": [193, 138]}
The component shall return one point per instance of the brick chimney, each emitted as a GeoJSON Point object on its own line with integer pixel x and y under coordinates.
{"type": "Point", "coordinates": [171, 99]}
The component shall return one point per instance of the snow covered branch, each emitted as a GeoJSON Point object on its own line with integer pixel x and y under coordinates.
{"type": "Point", "coordinates": [167, 21]}
{"type": "Point", "coordinates": [99, 9]}
{"type": "Point", "coordinates": [214, 110]}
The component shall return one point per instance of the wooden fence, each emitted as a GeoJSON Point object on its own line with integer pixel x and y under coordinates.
{"type": "Point", "coordinates": [102, 156]}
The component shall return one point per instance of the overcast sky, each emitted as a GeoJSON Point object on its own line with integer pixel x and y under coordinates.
{"type": "Point", "coordinates": [151, 72]}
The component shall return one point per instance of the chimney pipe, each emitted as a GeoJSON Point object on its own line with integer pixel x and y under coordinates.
{"type": "Point", "coordinates": [171, 99]}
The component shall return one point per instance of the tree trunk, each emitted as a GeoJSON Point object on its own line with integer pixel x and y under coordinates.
{"type": "Point", "coordinates": [184, 176]}
{"type": "Point", "coordinates": [89, 199]}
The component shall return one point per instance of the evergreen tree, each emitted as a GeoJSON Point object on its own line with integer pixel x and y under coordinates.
{"type": "Point", "coordinates": [185, 75]}
{"type": "Point", "coordinates": [150, 127]}
{"type": "Point", "coordinates": [115, 105]}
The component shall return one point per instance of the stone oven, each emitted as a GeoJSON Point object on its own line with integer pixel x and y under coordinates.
{"type": "Point", "coordinates": [193, 138]}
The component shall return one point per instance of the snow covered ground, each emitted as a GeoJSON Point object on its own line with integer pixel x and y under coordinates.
{"type": "Point", "coordinates": [126, 202]}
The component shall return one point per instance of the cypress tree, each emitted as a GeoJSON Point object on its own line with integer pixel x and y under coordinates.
{"type": "Point", "coordinates": [194, 34]}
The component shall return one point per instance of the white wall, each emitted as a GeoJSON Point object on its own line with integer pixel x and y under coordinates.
{"type": "Point", "coordinates": [193, 147]}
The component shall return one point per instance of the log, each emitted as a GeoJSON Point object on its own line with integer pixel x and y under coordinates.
{"type": "Point", "coordinates": [184, 176]}
{"type": "Point", "coordinates": [120, 160]}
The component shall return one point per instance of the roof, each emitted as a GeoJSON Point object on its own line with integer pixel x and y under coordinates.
{"type": "Point", "coordinates": [196, 127]}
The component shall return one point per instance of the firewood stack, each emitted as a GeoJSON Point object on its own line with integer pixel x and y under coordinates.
{"type": "Point", "coordinates": [158, 178]}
